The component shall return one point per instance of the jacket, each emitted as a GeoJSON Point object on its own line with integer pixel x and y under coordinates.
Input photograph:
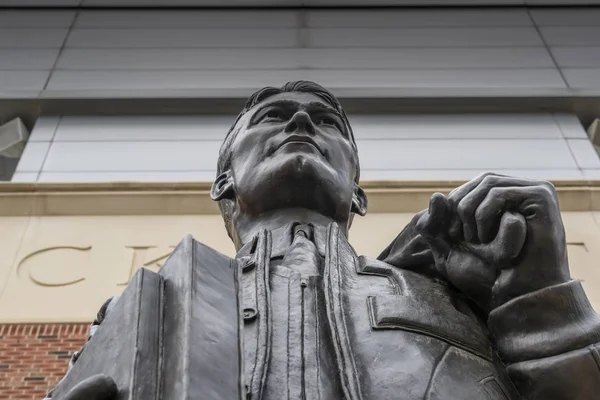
{"type": "Point", "coordinates": [389, 328]}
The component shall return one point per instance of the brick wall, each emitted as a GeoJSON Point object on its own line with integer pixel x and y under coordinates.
{"type": "Point", "coordinates": [34, 357]}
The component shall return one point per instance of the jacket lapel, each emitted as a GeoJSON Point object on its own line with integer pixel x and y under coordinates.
{"type": "Point", "coordinates": [339, 254]}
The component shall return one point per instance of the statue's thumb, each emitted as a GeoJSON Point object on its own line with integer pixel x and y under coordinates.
{"type": "Point", "coordinates": [508, 243]}
{"type": "Point", "coordinates": [433, 225]}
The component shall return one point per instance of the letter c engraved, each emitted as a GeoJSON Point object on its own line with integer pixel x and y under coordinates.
{"type": "Point", "coordinates": [41, 281]}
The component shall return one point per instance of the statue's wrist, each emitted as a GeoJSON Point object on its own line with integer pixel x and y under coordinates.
{"type": "Point", "coordinates": [519, 281]}
{"type": "Point", "coordinates": [544, 323]}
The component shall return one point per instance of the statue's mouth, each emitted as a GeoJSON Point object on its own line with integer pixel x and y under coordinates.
{"type": "Point", "coordinates": [300, 140]}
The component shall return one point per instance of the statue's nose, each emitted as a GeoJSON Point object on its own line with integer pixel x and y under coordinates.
{"type": "Point", "coordinates": [300, 122]}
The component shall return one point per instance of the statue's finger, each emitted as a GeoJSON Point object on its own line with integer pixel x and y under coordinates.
{"type": "Point", "coordinates": [455, 227]}
{"type": "Point", "coordinates": [511, 236]}
{"type": "Point", "coordinates": [488, 215]}
{"type": "Point", "coordinates": [431, 222]}
{"type": "Point", "coordinates": [461, 209]}
{"type": "Point", "coordinates": [433, 225]}
{"type": "Point", "coordinates": [520, 199]}
{"type": "Point", "coordinates": [439, 212]}
{"type": "Point", "coordinates": [468, 205]}
{"type": "Point", "coordinates": [508, 243]}
{"type": "Point", "coordinates": [457, 194]}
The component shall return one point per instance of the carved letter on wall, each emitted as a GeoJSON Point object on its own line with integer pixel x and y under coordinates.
{"type": "Point", "coordinates": [145, 256]}
{"type": "Point", "coordinates": [54, 266]}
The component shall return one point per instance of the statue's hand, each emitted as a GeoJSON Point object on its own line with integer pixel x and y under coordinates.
{"type": "Point", "coordinates": [96, 387]}
{"type": "Point", "coordinates": [497, 237]}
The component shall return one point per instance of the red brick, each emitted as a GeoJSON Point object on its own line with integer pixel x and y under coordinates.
{"type": "Point", "coordinates": [26, 355]}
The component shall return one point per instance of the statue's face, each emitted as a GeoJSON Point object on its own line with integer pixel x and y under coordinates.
{"type": "Point", "coordinates": [293, 151]}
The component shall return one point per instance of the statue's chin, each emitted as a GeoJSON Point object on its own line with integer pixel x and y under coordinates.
{"type": "Point", "coordinates": [304, 168]}
{"type": "Point", "coordinates": [298, 180]}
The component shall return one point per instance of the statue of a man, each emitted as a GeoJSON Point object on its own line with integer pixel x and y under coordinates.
{"type": "Point", "coordinates": [473, 299]}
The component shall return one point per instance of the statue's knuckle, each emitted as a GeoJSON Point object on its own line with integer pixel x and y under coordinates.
{"type": "Point", "coordinates": [461, 208]}
{"type": "Point", "coordinates": [481, 212]}
{"type": "Point", "coordinates": [549, 187]}
{"type": "Point", "coordinates": [490, 181]}
{"type": "Point", "coordinates": [496, 191]}
{"type": "Point", "coordinates": [532, 182]}
{"type": "Point", "coordinates": [481, 176]}
{"type": "Point", "coordinates": [544, 191]}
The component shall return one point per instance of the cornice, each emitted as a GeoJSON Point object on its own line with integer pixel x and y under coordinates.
{"type": "Point", "coordinates": [191, 198]}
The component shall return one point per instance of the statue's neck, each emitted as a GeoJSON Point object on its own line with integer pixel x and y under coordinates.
{"type": "Point", "coordinates": [246, 226]}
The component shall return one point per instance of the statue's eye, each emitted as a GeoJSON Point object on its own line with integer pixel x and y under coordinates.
{"type": "Point", "coordinates": [273, 116]}
{"type": "Point", "coordinates": [328, 121]}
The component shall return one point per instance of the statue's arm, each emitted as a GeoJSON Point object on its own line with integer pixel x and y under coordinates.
{"type": "Point", "coordinates": [97, 387]}
{"type": "Point", "coordinates": [501, 242]}
{"type": "Point", "coordinates": [550, 342]}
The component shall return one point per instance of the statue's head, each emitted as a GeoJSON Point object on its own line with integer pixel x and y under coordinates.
{"type": "Point", "coordinates": [290, 147]}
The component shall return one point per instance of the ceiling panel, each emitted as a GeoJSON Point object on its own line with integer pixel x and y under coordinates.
{"type": "Point", "coordinates": [561, 2]}
{"type": "Point", "coordinates": [185, 38]}
{"type": "Point", "coordinates": [418, 18]}
{"type": "Point", "coordinates": [36, 19]}
{"type": "Point", "coordinates": [424, 37]}
{"type": "Point", "coordinates": [253, 59]}
{"type": "Point", "coordinates": [283, 3]}
{"type": "Point", "coordinates": [180, 19]}
{"type": "Point", "coordinates": [39, 3]}
{"type": "Point", "coordinates": [572, 17]}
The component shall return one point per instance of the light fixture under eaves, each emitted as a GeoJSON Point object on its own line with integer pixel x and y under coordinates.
{"type": "Point", "coordinates": [13, 137]}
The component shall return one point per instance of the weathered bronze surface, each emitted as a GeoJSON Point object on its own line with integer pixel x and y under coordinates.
{"type": "Point", "coordinates": [473, 300]}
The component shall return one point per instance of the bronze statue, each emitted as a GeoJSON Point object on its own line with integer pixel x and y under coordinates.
{"type": "Point", "coordinates": [473, 300]}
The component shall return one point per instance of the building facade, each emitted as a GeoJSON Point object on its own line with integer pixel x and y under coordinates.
{"type": "Point", "coordinates": [125, 105]}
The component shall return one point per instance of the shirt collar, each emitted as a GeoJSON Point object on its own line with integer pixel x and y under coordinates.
{"type": "Point", "coordinates": [282, 237]}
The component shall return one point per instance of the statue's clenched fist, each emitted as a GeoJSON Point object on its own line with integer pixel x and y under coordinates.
{"type": "Point", "coordinates": [497, 237]}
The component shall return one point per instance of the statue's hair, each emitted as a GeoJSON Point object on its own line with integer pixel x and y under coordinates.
{"type": "Point", "coordinates": [225, 153]}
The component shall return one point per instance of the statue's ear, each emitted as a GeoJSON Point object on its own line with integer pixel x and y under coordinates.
{"type": "Point", "coordinates": [223, 187]}
{"type": "Point", "coordinates": [359, 201]}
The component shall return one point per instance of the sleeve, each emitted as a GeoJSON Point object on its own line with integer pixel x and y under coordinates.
{"type": "Point", "coordinates": [550, 342]}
